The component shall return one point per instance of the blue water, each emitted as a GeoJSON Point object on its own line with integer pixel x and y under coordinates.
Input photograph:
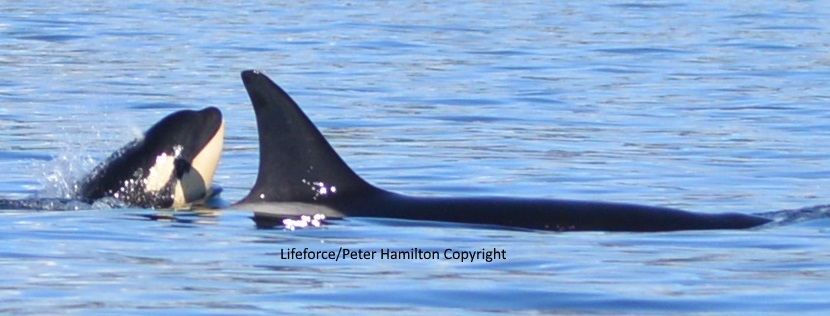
{"type": "Point", "coordinates": [709, 106]}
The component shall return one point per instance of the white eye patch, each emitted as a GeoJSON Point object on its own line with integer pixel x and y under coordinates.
{"type": "Point", "coordinates": [162, 170]}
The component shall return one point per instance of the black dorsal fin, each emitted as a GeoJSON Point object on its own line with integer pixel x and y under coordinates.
{"type": "Point", "coordinates": [296, 163]}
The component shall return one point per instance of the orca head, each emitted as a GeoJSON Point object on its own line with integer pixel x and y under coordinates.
{"type": "Point", "coordinates": [171, 166]}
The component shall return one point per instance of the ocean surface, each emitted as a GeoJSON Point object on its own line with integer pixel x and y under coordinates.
{"type": "Point", "coordinates": [711, 106]}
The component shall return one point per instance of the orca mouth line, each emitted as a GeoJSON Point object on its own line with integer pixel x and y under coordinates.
{"type": "Point", "coordinates": [172, 166]}
{"type": "Point", "coordinates": [301, 174]}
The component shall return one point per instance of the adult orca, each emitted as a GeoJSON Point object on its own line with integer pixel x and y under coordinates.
{"type": "Point", "coordinates": [172, 166]}
{"type": "Point", "coordinates": [301, 174]}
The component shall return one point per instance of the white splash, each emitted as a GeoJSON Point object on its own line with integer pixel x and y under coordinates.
{"type": "Point", "coordinates": [80, 147]}
{"type": "Point", "coordinates": [60, 177]}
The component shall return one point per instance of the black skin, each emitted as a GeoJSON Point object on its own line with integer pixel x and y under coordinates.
{"type": "Point", "coordinates": [191, 130]}
{"type": "Point", "coordinates": [296, 160]}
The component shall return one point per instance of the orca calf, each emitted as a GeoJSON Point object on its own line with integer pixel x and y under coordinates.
{"type": "Point", "coordinates": [301, 174]}
{"type": "Point", "coordinates": [172, 166]}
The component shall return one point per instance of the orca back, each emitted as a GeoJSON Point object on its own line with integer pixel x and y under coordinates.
{"type": "Point", "coordinates": [296, 163]}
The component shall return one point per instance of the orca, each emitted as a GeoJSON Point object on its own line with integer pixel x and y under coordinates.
{"type": "Point", "coordinates": [171, 166]}
{"type": "Point", "coordinates": [301, 174]}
